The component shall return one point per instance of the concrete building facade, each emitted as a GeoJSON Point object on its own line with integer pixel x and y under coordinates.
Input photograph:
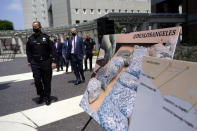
{"type": "Point", "coordinates": [56, 13]}
{"type": "Point", "coordinates": [35, 10]}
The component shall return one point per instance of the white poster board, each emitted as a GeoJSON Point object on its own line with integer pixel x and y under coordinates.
{"type": "Point", "coordinates": [166, 97]}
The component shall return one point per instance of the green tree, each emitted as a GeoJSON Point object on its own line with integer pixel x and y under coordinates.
{"type": "Point", "coordinates": [6, 25]}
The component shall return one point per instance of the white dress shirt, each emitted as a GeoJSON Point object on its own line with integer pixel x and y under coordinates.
{"type": "Point", "coordinates": [72, 50]}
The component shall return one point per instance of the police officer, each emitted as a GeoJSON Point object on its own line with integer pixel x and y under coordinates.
{"type": "Point", "coordinates": [40, 56]}
{"type": "Point", "coordinates": [89, 47]}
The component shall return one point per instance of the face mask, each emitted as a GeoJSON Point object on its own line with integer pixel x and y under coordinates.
{"type": "Point", "coordinates": [36, 30]}
{"type": "Point", "coordinates": [73, 34]}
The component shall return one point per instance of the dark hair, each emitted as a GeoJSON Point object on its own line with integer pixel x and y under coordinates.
{"type": "Point", "coordinates": [38, 23]}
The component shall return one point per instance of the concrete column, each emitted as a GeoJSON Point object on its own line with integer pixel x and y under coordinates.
{"type": "Point", "coordinates": [96, 39]}
{"type": "Point", "coordinates": [128, 28]}
{"type": "Point", "coordinates": [61, 38]}
{"type": "Point", "coordinates": [155, 26]}
{"type": "Point", "coordinates": [144, 26]}
{"type": "Point", "coordinates": [149, 27]}
{"type": "Point", "coordinates": [20, 42]}
{"type": "Point", "coordinates": [134, 28]}
{"type": "Point", "coordinates": [1, 47]}
{"type": "Point", "coordinates": [13, 41]}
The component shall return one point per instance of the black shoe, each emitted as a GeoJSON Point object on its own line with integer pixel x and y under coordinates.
{"type": "Point", "coordinates": [62, 69]}
{"type": "Point", "coordinates": [77, 82]}
{"type": "Point", "coordinates": [83, 79]}
{"type": "Point", "coordinates": [41, 100]}
{"type": "Point", "coordinates": [48, 101]}
{"type": "Point", "coordinates": [58, 70]}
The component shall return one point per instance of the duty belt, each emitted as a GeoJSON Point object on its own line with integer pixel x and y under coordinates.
{"type": "Point", "coordinates": [40, 58]}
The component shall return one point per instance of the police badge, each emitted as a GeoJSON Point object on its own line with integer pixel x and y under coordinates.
{"type": "Point", "coordinates": [43, 39]}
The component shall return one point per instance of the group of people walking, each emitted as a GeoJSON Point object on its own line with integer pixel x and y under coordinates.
{"type": "Point", "coordinates": [43, 55]}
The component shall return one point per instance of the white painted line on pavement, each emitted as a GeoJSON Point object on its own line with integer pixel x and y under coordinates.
{"type": "Point", "coordinates": [25, 76]}
{"type": "Point", "coordinates": [12, 126]}
{"type": "Point", "coordinates": [56, 111]}
{"type": "Point", "coordinates": [17, 118]}
{"type": "Point", "coordinates": [44, 115]}
{"type": "Point", "coordinates": [28, 76]}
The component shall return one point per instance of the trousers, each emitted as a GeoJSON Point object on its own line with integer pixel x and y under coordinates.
{"type": "Point", "coordinates": [42, 74]}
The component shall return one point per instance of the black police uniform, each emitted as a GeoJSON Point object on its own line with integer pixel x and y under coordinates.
{"type": "Point", "coordinates": [89, 45]}
{"type": "Point", "coordinates": [41, 54]}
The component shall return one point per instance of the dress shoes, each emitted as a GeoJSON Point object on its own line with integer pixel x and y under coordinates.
{"type": "Point", "coordinates": [83, 79]}
{"type": "Point", "coordinates": [41, 100]}
{"type": "Point", "coordinates": [48, 101]}
{"type": "Point", "coordinates": [77, 82]}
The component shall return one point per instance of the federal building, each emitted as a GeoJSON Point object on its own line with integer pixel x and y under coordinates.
{"type": "Point", "coordinates": [57, 13]}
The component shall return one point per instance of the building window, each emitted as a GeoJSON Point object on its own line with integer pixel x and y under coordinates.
{"type": "Point", "coordinates": [112, 10]}
{"type": "Point", "coordinates": [125, 11]}
{"type": "Point", "coordinates": [131, 11]}
{"type": "Point", "coordinates": [91, 11]}
{"type": "Point", "coordinates": [84, 11]}
{"type": "Point", "coordinates": [138, 11]}
{"type": "Point", "coordinates": [76, 11]}
{"type": "Point", "coordinates": [99, 11]}
{"type": "Point", "coordinates": [147, 11]}
{"type": "Point", "coordinates": [119, 10]}
{"type": "Point", "coordinates": [106, 11]}
{"type": "Point", "coordinates": [84, 20]}
{"type": "Point", "coordinates": [77, 21]}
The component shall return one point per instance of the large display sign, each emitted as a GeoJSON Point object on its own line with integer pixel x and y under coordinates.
{"type": "Point", "coordinates": [111, 92]}
{"type": "Point", "coordinates": [166, 97]}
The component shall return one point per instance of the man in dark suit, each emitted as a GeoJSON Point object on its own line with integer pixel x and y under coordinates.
{"type": "Point", "coordinates": [89, 48]}
{"type": "Point", "coordinates": [58, 50]}
{"type": "Point", "coordinates": [76, 52]}
{"type": "Point", "coordinates": [65, 51]}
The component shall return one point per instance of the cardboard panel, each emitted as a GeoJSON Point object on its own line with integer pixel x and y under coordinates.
{"type": "Point", "coordinates": [159, 43]}
{"type": "Point", "coordinates": [167, 96]}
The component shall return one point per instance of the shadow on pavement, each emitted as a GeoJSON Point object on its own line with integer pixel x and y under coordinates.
{"type": "Point", "coordinates": [71, 81]}
{"type": "Point", "coordinates": [4, 86]}
{"type": "Point", "coordinates": [53, 99]}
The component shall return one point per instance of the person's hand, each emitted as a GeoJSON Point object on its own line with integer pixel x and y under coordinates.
{"type": "Point", "coordinates": [53, 65]}
{"type": "Point", "coordinates": [29, 64]}
{"type": "Point", "coordinates": [63, 56]}
{"type": "Point", "coordinates": [84, 57]}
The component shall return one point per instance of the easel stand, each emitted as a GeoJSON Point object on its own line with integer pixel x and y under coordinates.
{"type": "Point", "coordinates": [87, 124]}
